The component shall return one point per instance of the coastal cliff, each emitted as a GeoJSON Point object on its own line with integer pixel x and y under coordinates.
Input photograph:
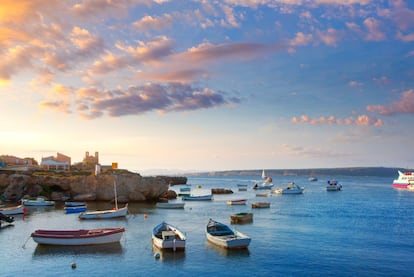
{"type": "Point", "coordinates": [130, 186]}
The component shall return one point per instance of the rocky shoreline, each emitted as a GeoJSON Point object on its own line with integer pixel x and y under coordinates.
{"type": "Point", "coordinates": [131, 187]}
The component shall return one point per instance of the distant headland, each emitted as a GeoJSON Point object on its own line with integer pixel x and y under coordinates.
{"type": "Point", "coordinates": [342, 171]}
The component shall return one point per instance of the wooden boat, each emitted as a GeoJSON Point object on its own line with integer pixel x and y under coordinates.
{"type": "Point", "coordinates": [333, 186]}
{"type": "Point", "coordinates": [20, 209]}
{"type": "Point", "coordinates": [259, 205]}
{"type": "Point", "coordinates": [75, 209]}
{"type": "Point", "coordinates": [74, 204]}
{"type": "Point", "coordinates": [169, 205]}
{"type": "Point", "coordinates": [241, 218]}
{"type": "Point", "coordinates": [291, 188]}
{"type": "Point", "coordinates": [223, 236]}
{"type": "Point", "coordinates": [207, 197]}
{"type": "Point", "coordinates": [122, 212]}
{"type": "Point", "coordinates": [166, 236]}
{"type": "Point", "coordinates": [237, 202]}
{"type": "Point", "coordinates": [221, 191]}
{"type": "Point", "coordinates": [40, 201]}
{"type": "Point", "coordinates": [78, 237]}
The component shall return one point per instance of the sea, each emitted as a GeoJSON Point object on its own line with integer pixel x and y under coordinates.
{"type": "Point", "coordinates": [366, 229]}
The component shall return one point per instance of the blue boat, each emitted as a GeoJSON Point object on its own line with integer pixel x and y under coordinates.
{"type": "Point", "coordinates": [76, 209]}
{"type": "Point", "coordinates": [74, 204]}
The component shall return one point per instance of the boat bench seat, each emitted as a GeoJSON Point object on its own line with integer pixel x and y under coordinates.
{"type": "Point", "coordinates": [221, 233]}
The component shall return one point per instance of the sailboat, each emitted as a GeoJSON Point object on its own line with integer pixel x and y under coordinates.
{"type": "Point", "coordinates": [263, 174]}
{"type": "Point", "coordinates": [267, 184]}
{"type": "Point", "coordinates": [122, 212]}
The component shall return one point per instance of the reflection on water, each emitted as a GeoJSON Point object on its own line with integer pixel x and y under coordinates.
{"type": "Point", "coordinates": [168, 254]}
{"type": "Point", "coordinates": [6, 226]}
{"type": "Point", "coordinates": [56, 250]}
{"type": "Point", "coordinates": [244, 252]}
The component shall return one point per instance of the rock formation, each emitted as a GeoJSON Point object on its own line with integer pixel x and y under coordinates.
{"type": "Point", "coordinates": [130, 186]}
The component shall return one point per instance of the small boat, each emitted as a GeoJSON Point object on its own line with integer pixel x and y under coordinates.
{"type": "Point", "coordinates": [122, 212]}
{"type": "Point", "coordinates": [291, 188]}
{"type": "Point", "coordinates": [241, 185]}
{"type": "Point", "coordinates": [166, 236]}
{"type": "Point", "coordinates": [312, 179]}
{"type": "Point", "coordinates": [404, 179]}
{"type": "Point", "coordinates": [259, 205]}
{"type": "Point", "coordinates": [78, 237]}
{"type": "Point", "coordinates": [237, 202]}
{"type": "Point", "coordinates": [6, 218]}
{"type": "Point", "coordinates": [221, 191]}
{"type": "Point", "coordinates": [20, 209]}
{"type": "Point", "coordinates": [261, 194]}
{"type": "Point", "coordinates": [74, 204]}
{"type": "Point", "coordinates": [333, 186]}
{"type": "Point", "coordinates": [242, 189]}
{"type": "Point", "coordinates": [206, 197]}
{"type": "Point", "coordinates": [241, 218]}
{"type": "Point", "coordinates": [39, 201]}
{"type": "Point", "coordinates": [222, 235]}
{"type": "Point", "coordinates": [75, 209]}
{"type": "Point", "coordinates": [168, 205]}
{"type": "Point", "coordinates": [265, 185]}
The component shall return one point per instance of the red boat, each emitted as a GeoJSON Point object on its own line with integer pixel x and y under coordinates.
{"type": "Point", "coordinates": [78, 237]}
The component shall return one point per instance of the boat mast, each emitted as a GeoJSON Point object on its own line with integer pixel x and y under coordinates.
{"type": "Point", "coordinates": [116, 197]}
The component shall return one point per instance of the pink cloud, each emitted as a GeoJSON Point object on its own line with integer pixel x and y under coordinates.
{"type": "Point", "coordinates": [361, 120]}
{"type": "Point", "coordinates": [405, 105]}
{"type": "Point", "coordinates": [374, 30]}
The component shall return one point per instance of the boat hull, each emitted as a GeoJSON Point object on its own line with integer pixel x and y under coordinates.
{"type": "Point", "coordinates": [229, 243]}
{"type": "Point", "coordinates": [241, 218]}
{"type": "Point", "coordinates": [260, 205]}
{"type": "Point", "coordinates": [78, 237]}
{"type": "Point", "coordinates": [75, 209]}
{"type": "Point", "coordinates": [38, 203]}
{"type": "Point", "coordinates": [166, 236]}
{"type": "Point", "coordinates": [170, 205]}
{"type": "Point", "coordinates": [400, 185]}
{"type": "Point", "coordinates": [105, 214]}
{"type": "Point", "coordinates": [13, 210]}
{"type": "Point", "coordinates": [223, 236]}
{"type": "Point", "coordinates": [198, 198]}
{"type": "Point", "coordinates": [237, 202]}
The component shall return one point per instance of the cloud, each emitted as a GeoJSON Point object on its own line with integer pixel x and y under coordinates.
{"type": "Point", "coordinates": [148, 23]}
{"type": "Point", "coordinates": [374, 30]}
{"type": "Point", "coordinates": [99, 8]}
{"type": "Point", "coordinates": [405, 105]}
{"type": "Point", "coordinates": [361, 120]}
{"type": "Point", "coordinates": [329, 37]}
{"type": "Point", "coordinates": [137, 100]}
{"type": "Point", "coordinates": [301, 39]}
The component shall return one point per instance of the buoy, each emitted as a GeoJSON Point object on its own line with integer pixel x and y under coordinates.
{"type": "Point", "coordinates": [157, 255]}
{"type": "Point", "coordinates": [145, 215]}
{"type": "Point", "coordinates": [73, 265]}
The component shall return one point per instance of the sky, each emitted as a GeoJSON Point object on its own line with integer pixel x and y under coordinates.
{"type": "Point", "coordinates": [174, 86]}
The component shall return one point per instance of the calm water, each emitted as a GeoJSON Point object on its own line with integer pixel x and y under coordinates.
{"type": "Point", "coordinates": [365, 230]}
